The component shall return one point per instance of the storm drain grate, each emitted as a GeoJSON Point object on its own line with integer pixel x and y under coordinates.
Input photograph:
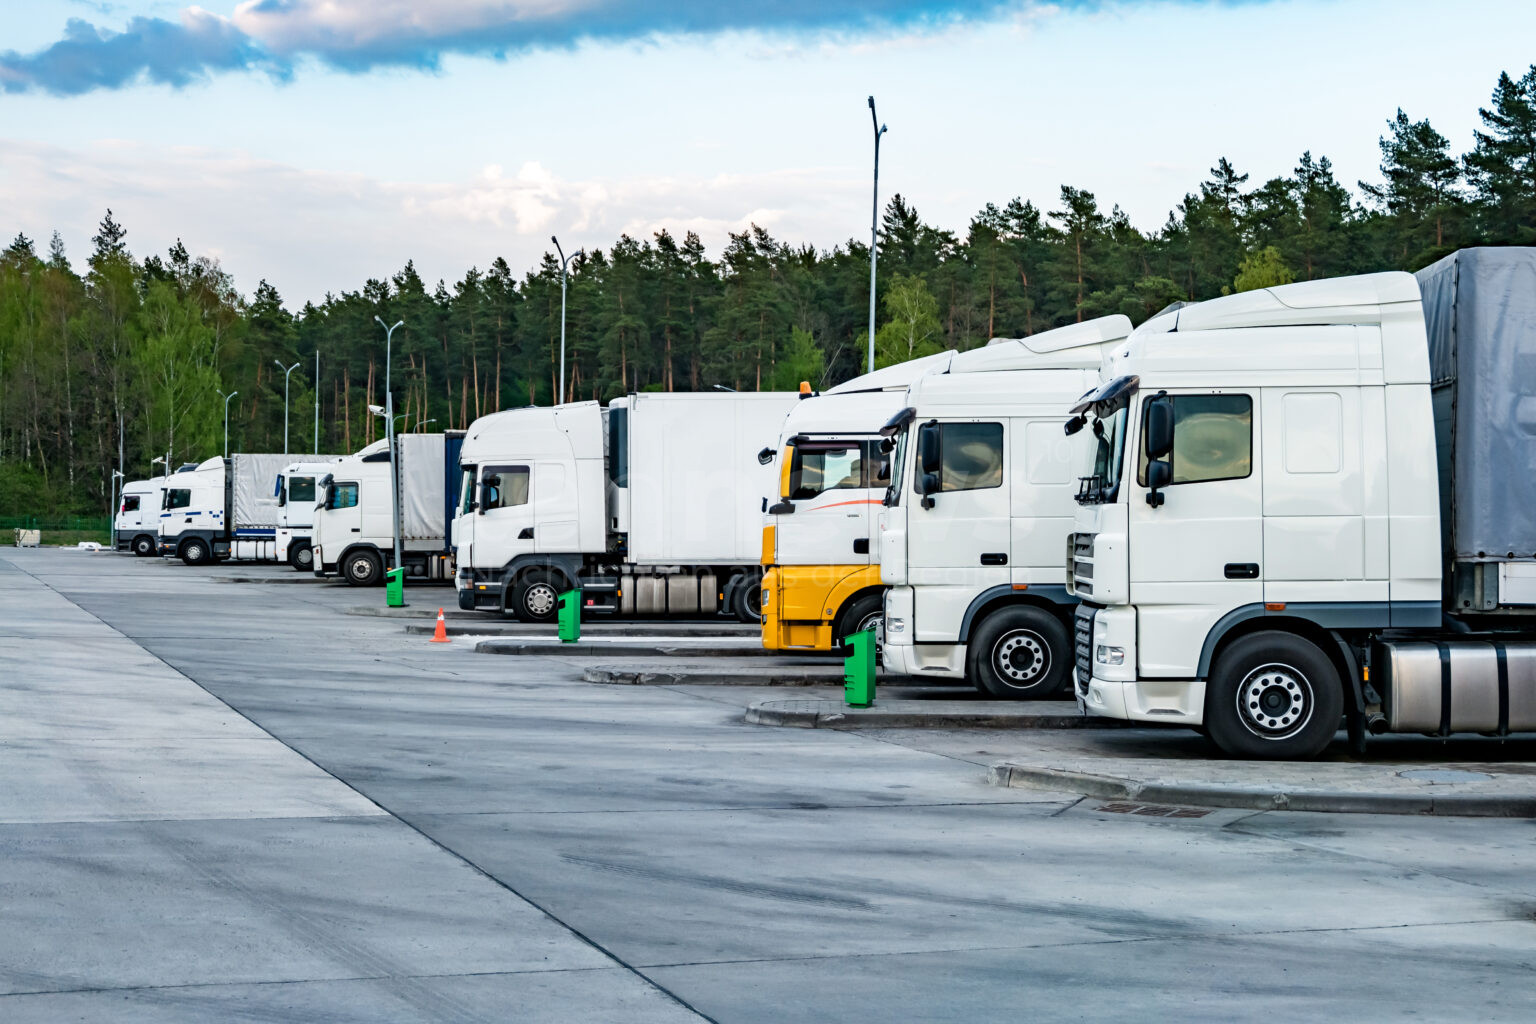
{"type": "Point", "coordinates": [1154, 810]}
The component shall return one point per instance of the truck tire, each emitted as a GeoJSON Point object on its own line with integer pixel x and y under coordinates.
{"type": "Point", "coordinates": [747, 602]}
{"type": "Point", "coordinates": [301, 556]}
{"type": "Point", "coordinates": [143, 545]}
{"type": "Point", "coordinates": [1020, 653]}
{"type": "Point", "coordinates": [536, 597]}
{"type": "Point", "coordinates": [194, 552]}
{"type": "Point", "coordinates": [363, 568]}
{"type": "Point", "coordinates": [1275, 696]}
{"type": "Point", "coordinates": [860, 614]}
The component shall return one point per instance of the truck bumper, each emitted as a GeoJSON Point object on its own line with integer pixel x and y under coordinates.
{"type": "Point", "coordinates": [1167, 701]}
{"type": "Point", "coordinates": [946, 661]}
{"type": "Point", "coordinates": [477, 595]}
{"type": "Point", "coordinates": [801, 603]}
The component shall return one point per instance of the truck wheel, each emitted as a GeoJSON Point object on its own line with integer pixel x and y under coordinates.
{"type": "Point", "coordinates": [1020, 653]}
{"type": "Point", "coordinates": [536, 597]}
{"type": "Point", "coordinates": [860, 614]}
{"type": "Point", "coordinates": [1274, 696]}
{"type": "Point", "coordinates": [748, 601]}
{"type": "Point", "coordinates": [194, 552]}
{"type": "Point", "coordinates": [363, 569]}
{"type": "Point", "coordinates": [143, 545]}
{"type": "Point", "coordinates": [301, 557]}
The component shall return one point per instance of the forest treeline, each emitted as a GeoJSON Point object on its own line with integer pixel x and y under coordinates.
{"type": "Point", "coordinates": [120, 353]}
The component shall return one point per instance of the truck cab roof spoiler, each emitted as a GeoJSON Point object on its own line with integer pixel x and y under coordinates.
{"type": "Point", "coordinates": [895, 423]}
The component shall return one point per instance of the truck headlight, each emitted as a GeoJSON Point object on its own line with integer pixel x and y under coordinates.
{"type": "Point", "coordinates": [1107, 655]}
{"type": "Point", "coordinates": [895, 625]}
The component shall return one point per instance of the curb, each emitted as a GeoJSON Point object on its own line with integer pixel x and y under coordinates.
{"type": "Point", "coordinates": [666, 649]}
{"type": "Point", "coordinates": [641, 677]}
{"type": "Point", "coordinates": [543, 631]}
{"type": "Point", "coordinates": [1112, 787]}
{"type": "Point", "coordinates": [831, 717]}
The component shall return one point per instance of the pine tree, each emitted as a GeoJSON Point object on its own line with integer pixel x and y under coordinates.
{"type": "Point", "coordinates": [1502, 165]}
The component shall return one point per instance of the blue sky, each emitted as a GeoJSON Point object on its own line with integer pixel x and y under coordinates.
{"type": "Point", "coordinates": [320, 142]}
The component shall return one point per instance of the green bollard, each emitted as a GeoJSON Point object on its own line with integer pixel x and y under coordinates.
{"type": "Point", "coordinates": [394, 588]}
{"type": "Point", "coordinates": [859, 669]}
{"type": "Point", "coordinates": [570, 616]}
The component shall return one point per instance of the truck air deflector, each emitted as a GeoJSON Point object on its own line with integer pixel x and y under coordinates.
{"type": "Point", "coordinates": [1111, 393]}
{"type": "Point", "coordinates": [895, 423]}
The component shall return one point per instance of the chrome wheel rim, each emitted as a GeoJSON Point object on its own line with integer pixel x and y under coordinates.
{"type": "Point", "coordinates": [1275, 701]}
{"type": "Point", "coordinates": [1021, 657]}
{"type": "Point", "coordinates": [361, 569]}
{"type": "Point", "coordinates": [540, 599]}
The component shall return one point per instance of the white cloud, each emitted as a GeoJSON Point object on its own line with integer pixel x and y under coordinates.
{"type": "Point", "coordinates": [309, 232]}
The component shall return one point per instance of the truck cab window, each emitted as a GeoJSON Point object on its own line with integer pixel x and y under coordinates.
{"type": "Point", "coordinates": [1212, 439]}
{"type": "Point", "coordinates": [130, 503]}
{"type": "Point", "coordinates": [342, 496]}
{"type": "Point", "coordinates": [971, 456]}
{"type": "Point", "coordinates": [814, 469]}
{"type": "Point", "coordinates": [467, 489]}
{"type": "Point", "coordinates": [505, 486]}
{"type": "Point", "coordinates": [178, 497]}
{"type": "Point", "coordinates": [301, 489]}
{"type": "Point", "coordinates": [878, 465]}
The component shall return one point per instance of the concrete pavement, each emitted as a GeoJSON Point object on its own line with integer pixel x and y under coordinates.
{"type": "Point", "coordinates": [753, 874]}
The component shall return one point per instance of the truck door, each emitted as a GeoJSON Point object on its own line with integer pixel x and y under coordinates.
{"type": "Point", "coordinates": [506, 528]}
{"type": "Point", "coordinates": [1200, 553]}
{"type": "Point", "coordinates": [343, 518]}
{"type": "Point", "coordinates": [829, 487]}
{"type": "Point", "coordinates": [958, 541]}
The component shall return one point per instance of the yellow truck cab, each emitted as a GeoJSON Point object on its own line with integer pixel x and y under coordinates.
{"type": "Point", "coordinates": [821, 577]}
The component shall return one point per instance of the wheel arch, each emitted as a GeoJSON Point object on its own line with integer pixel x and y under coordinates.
{"type": "Point", "coordinates": [567, 567]}
{"type": "Point", "coordinates": [1048, 597]}
{"type": "Point", "coordinates": [1320, 627]}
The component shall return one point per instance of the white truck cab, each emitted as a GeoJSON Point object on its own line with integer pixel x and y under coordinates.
{"type": "Point", "coordinates": [979, 506]}
{"type": "Point", "coordinates": [822, 542]}
{"type": "Point", "coordinates": [296, 499]}
{"type": "Point", "coordinates": [1258, 545]}
{"type": "Point", "coordinates": [137, 523]}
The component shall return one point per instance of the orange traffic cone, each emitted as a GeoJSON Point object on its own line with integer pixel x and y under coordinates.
{"type": "Point", "coordinates": [441, 636]}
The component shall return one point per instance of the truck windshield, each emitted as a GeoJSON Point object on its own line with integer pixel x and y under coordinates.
{"type": "Point", "coordinates": [898, 462]}
{"type": "Point", "coordinates": [178, 497]}
{"type": "Point", "coordinates": [1103, 483]}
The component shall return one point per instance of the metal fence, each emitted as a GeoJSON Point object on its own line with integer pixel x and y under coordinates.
{"type": "Point", "coordinates": [90, 524]}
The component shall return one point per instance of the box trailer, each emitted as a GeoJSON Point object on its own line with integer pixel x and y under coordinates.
{"type": "Point", "coordinates": [652, 506]}
{"type": "Point", "coordinates": [226, 508]}
{"type": "Point", "coordinates": [354, 524]}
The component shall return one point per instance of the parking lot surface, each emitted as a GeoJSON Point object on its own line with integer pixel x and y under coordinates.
{"type": "Point", "coordinates": [237, 801]}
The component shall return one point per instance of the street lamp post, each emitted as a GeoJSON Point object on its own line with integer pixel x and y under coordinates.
{"type": "Point", "coordinates": [874, 221]}
{"type": "Point", "coordinates": [286, 372]}
{"type": "Point", "coordinates": [227, 397]}
{"type": "Point", "coordinates": [316, 448]}
{"type": "Point", "coordinates": [389, 419]}
{"type": "Point", "coordinates": [564, 263]}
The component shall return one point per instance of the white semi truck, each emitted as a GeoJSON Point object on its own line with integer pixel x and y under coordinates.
{"type": "Point", "coordinates": [296, 500]}
{"type": "Point", "coordinates": [1313, 504]}
{"type": "Point", "coordinates": [137, 523]}
{"type": "Point", "coordinates": [652, 506]}
{"type": "Point", "coordinates": [979, 507]}
{"type": "Point", "coordinates": [821, 579]}
{"type": "Point", "coordinates": [226, 508]}
{"type": "Point", "coordinates": [354, 522]}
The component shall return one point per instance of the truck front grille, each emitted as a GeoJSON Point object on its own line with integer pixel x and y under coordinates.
{"type": "Point", "coordinates": [1082, 629]}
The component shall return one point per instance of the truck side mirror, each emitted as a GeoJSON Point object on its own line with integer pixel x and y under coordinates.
{"type": "Point", "coordinates": [1159, 475]}
{"type": "Point", "coordinates": [1159, 427]}
{"type": "Point", "coordinates": [765, 456]}
{"type": "Point", "coordinates": [1075, 424]}
{"type": "Point", "coordinates": [928, 457]}
{"type": "Point", "coordinates": [927, 485]}
{"type": "Point", "coordinates": [484, 498]}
